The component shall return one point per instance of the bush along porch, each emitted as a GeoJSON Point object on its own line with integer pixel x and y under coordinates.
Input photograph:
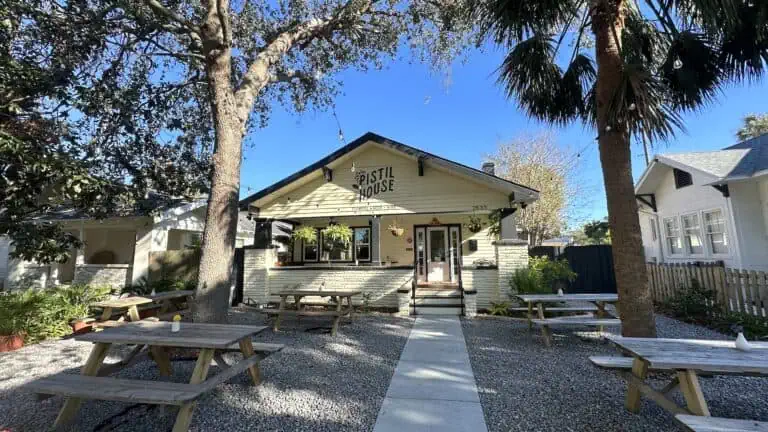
{"type": "Point", "coordinates": [413, 231]}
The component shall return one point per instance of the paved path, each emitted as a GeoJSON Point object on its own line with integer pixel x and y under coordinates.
{"type": "Point", "coordinates": [433, 388]}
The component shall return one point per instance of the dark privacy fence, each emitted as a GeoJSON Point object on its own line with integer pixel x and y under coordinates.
{"type": "Point", "coordinates": [594, 266]}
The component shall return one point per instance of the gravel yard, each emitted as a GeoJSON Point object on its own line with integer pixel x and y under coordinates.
{"type": "Point", "coordinates": [525, 386]}
{"type": "Point", "coordinates": [317, 383]}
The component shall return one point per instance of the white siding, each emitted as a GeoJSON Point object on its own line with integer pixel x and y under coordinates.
{"type": "Point", "coordinates": [750, 226]}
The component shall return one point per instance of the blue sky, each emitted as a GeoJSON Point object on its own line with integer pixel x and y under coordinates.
{"type": "Point", "coordinates": [461, 120]}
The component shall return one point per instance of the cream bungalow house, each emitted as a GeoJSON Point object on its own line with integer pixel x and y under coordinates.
{"type": "Point", "coordinates": [118, 249]}
{"type": "Point", "coordinates": [420, 225]}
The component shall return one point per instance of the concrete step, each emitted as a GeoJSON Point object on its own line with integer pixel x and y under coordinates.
{"type": "Point", "coordinates": [440, 310]}
{"type": "Point", "coordinates": [437, 301]}
{"type": "Point", "coordinates": [437, 292]}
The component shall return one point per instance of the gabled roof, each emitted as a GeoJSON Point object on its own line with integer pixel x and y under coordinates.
{"type": "Point", "coordinates": [523, 193]}
{"type": "Point", "coordinates": [738, 162]}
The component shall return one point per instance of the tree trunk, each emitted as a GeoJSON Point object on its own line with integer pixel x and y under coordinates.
{"type": "Point", "coordinates": [635, 303]}
{"type": "Point", "coordinates": [217, 257]}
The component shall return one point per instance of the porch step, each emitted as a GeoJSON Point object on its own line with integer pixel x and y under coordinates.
{"type": "Point", "coordinates": [428, 292]}
{"type": "Point", "coordinates": [438, 310]}
{"type": "Point", "coordinates": [436, 301]}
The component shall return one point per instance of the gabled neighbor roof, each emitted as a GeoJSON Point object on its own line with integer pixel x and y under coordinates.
{"type": "Point", "coordinates": [738, 162]}
{"type": "Point", "coordinates": [524, 193]}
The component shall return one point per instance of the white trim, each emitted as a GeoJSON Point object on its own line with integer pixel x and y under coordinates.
{"type": "Point", "coordinates": [727, 235]}
{"type": "Point", "coordinates": [667, 236]}
{"type": "Point", "coordinates": [683, 235]}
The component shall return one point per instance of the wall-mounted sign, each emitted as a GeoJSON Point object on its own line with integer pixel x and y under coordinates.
{"type": "Point", "coordinates": [372, 182]}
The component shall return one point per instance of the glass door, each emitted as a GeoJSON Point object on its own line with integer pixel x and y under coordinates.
{"type": "Point", "coordinates": [438, 267]}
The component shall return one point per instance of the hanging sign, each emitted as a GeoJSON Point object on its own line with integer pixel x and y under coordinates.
{"type": "Point", "coordinates": [372, 182]}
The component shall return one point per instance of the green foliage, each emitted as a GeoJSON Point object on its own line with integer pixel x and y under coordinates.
{"type": "Point", "coordinates": [78, 298]}
{"type": "Point", "coordinates": [499, 309]}
{"type": "Point", "coordinates": [145, 287]}
{"type": "Point", "coordinates": [338, 234]}
{"type": "Point", "coordinates": [753, 126]}
{"type": "Point", "coordinates": [527, 281]}
{"type": "Point", "coordinates": [307, 234]}
{"type": "Point", "coordinates": [552, 271]}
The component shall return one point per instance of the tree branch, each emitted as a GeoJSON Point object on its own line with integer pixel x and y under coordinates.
{"type": "Point", "coordinates": [182, 24]}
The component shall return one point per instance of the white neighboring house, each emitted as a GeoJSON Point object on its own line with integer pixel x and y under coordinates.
{"type": "Point", "coordinates": [117, 249]}
{"type": "Point", "coordinates": [707, 206]}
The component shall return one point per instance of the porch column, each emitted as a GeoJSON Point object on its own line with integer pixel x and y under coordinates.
{"type": "Point", "coordinates": [80, 252]}
{"type": "Point", "coordinates": [376, 240]}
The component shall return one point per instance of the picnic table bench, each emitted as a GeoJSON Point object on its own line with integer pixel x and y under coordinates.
{"type": "Point", "coordinates": [121, 304]}
{"type": "Point", "coordinates": [298, 294]}
{"type": "Point", "coordinates": [717, 424]}
{"type": "Point", "coordinates": [689, 358]}
{"type": "Point", "coordinates": [207, 338]}
{"type": "Point", "coordinates": [597, 303]}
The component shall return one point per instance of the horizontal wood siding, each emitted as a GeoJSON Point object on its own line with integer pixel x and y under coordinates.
{"type": "Point", "coordinates": [485, 282]}
{"type": "Point", "coordinates": [436, 191]}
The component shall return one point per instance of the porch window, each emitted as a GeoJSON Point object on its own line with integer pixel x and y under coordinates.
{"type": "Point", "coordinates": [363, 244]}
{"type": "Point", "coordinates": [692, 234]}
{"type": "Point", "coordinates": [310, 251]}
{"type": "Point", "coordinates": [714, 225]}
{"type": "Point", "coordinates": [673, 236]}
{"type": "Point", "coordinates": [334, 252]}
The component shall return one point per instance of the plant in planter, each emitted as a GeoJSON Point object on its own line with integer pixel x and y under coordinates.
{"type": "Point", "coordinates": [555, 274]}
{"type": "Point", "coordinates": [13, 322]}
{"type": "Point", "coordinates": [77, 301]}
{"type": "Point", "coordinates": [475, 224]}
{"type": "Point", "coordinates": [306, 234]}
{"type": "Point", "coordinates": [336, 238]}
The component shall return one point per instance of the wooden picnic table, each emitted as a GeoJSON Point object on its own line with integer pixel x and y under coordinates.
{"type": "Point", "coordinates": [689, 358]}
{"type": "Point", "coordinates": [127, 303]}
{"type": "Point", "coordinates": [338, 296]}
{"type": "Point", "coordinates": [168, 300]}
{"type": "Point", "coordinates": [539, 302]}
{"type": "Point", "coordinates": [207, 338]}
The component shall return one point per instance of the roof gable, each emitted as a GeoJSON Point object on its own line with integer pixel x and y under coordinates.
{"type": "Point", "coordinates": [311, 172]}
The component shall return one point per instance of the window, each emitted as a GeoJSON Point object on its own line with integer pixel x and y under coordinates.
{"type": "Point", "coordinates": [714, 226]}
{"type": "Point", "coordinates": [692, 234]}
{"type": "Point", "coordinates": [363, 244]}
{"type": "Point", "coordinates": [310, 251]}
{"type": "Point", "coordinates": [682, 178]}
{"type": "Point", "coordinates": [673, 236]}
{"type": "Point", "coordinates": [654, 233]}
{"type": "Point", "coordinates": [336, 252]}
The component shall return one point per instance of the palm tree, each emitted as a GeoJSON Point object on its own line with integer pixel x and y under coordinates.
{"type": "Point", "coordinates": [653, 60]}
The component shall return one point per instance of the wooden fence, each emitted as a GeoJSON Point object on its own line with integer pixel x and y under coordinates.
{"type": "Point", "coordinates": [736, 290]}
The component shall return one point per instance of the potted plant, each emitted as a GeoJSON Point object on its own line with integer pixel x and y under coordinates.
{"type": "Point", "coordinates": [306, 234]}
{"type": "Point", "coordinates": [336, 237]}
{"type": "Point", "coordinates": [15, 313]}
{"type": "Point", "coordinates": [556, 274]}
{"type": "Point", "coordinates": [77, 301]}
{"type": "Point", "coordinates": [396, 229]}
{"type": "Point", "coordinates": [475, 224]}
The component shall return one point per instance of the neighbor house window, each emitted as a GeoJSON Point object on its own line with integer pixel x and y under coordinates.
{"type": "Point", "coordinates": [692, 234]}
{"type": "Point", "coordinates": [654, 234]}
{"type": "Point", "coordinates": [714, 226]}
{"type": "Point", "coordinates": [673, 236]}
{"type": "Point", "coordinates": [682, 178]}
{"type": "Point", "coordinates": [363, 244]}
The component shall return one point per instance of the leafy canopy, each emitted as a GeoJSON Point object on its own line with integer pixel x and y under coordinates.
{"type": "Point", "coordinates": [753, 126]}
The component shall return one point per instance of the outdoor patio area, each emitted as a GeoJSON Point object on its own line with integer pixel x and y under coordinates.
{"type": "Point", "coordinates": [324, 383]}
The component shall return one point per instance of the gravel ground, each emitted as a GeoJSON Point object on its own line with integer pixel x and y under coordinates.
{"type": "Point", "coordinates": [525, 386]}
{"type": "Point", "coordinates": [317, 383]}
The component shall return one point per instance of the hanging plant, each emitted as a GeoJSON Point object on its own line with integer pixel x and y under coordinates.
{"type": "Point", "coordinates": [306, 234]}
{"type": "Point", "coordinates": [339, 235]}
{"type": "Point", "coordinates": [396, 229]}
{"type": "Point", "coordinates": [475, 224]}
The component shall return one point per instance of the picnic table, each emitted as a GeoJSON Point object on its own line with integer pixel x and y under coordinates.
{"type": "Point", "coordinates": [169, 301]}
{"type": "Point", "coordinates": [539, 303]}
{"type": "Point", "coordinates": [337, 297]}
{"type": "Point", "coordinates": [207, 338]}
{"type": "Point", "coordinates": [688, 358]}
{"type": "Point", "coordinates": [122, 304]}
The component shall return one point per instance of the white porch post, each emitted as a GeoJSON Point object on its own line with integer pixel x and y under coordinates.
{"type": "Point", "coordinates": [376, 240]}
{"type": "Point", "coordinates": [141, 250]}
{"type": "Point", "coordinates": [80, 252]}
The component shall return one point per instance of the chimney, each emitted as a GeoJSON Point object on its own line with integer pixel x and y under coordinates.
{"type": "Point", "coordinates": [489, 167]}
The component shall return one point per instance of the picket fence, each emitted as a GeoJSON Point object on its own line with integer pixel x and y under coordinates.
{"type": "Point", "coordinates": [737, 290]}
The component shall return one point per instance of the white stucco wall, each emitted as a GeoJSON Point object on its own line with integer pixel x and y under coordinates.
{"type": "Point", "coordinates": [697, 198]}
{"type": "Point", "coordinates": [748, 211]}
{"type": "Point", "coordinates": [651, 246]}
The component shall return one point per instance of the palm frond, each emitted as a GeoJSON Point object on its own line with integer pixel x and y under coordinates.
{"type": "Point", "coordinates": [691, 71]}
{"type": "Point", "coordinates": [508, 21]}
{"type": "Point", "coordinates": [744, 47]}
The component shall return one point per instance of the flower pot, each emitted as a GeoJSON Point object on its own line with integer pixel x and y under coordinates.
{"type": "Point", "coordinates": [11, 343]}
{"type": "Point", "coordinates": [81, 326]}
{"type": "Point", "coordinates": [397, 232]}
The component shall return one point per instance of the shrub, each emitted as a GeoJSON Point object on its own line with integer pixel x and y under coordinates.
{"type": "Point", "coordinates": [527, 281]}
{"type": "Point", "coordinates": [552, 271]}
{"type": "Point", "coordinates": [40, 314]}
{"type": "Point", "coordinates": [145, 287]}
{"type": "Point", "coordinates": [499, 309]}
{"type": "Point", "coordinates": [694, 304]}
{"type": "Point", "coordinates": [78, 299]}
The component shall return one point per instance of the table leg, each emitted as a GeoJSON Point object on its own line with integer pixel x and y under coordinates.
{"type": "Point", "coordinates": [545, 331]}
{"type": "Point", "coordinates": [91, 368]}
{"type": "Point", "coordinates": [106, 314]}
{"type": "Point", "coordinates": [165, 306]}
{"type": "Point", "coordinates": [246, 347]}
{"type": "Point", "coordinates": [600, 310]}
{"type": "Point", "coordinates": [280, 310]}
{"type": "Point", "coordinates": [160, 356]}
{"type": "Point", "coordinates": [297, 302]}
{"type": "Point", "coordinates": [639, 371]}
{"type": "Point", "coordinates": [336, 319]}
{"type": "Point", "coordinates": [351, 308]}
{"type": "Point", "coordinates": [530, 316]}
{"type": "Point", "coordinates": [184, 417]}
{"type": "Point", "coordinates": [133, 313]}
{"type": "Point", "coordinates": [691, 389]}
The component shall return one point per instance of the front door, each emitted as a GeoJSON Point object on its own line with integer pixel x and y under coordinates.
{"type": "Point", "coordinates": [438, 265]}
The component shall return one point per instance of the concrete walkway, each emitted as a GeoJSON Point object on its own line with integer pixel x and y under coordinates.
{"type": "Point", "coordinates": [433, 388]}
